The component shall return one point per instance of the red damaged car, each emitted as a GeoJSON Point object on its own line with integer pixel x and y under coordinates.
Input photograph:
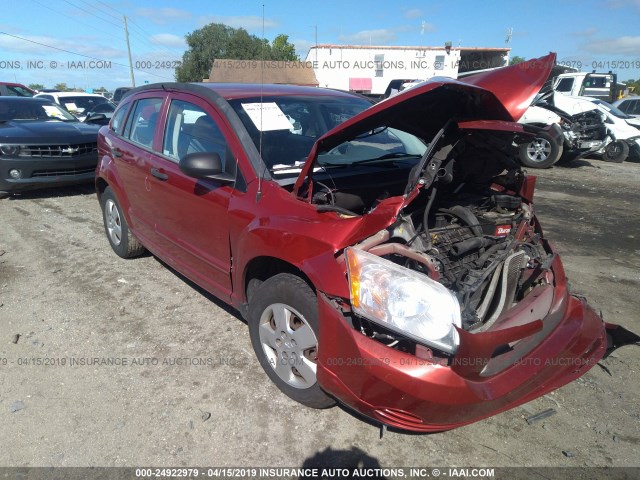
{"type": "Point", "coordinates": [384, 256]}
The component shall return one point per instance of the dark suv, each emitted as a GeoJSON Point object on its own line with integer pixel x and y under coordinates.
{"type": "Point", "coordinates": [118, 93]}
{"type": "Point", "coordinates": [387, 256]}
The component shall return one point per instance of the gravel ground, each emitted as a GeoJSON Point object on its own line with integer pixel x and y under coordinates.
{"type": "Point", "coordinates": [188, 391]}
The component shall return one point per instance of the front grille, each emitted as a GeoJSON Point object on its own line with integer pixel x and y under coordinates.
{"type": "Point", "coordinates": [62, 172]}
{"type": "Point", "coordinates": [59, 150]}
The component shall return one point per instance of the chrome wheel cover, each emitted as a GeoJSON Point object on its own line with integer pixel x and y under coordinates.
{"type": "Point", "coordinates": [113, 222]}
{"type": "Point", "coordinates": [539, 150]}
{"type": "Point", "coordinates": [289, 344]}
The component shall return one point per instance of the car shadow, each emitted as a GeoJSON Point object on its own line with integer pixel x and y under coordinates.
{"type": "Point", "coordinates": [576, 163]}
{"type": "Point", "coordinates": [209, 296]}
{"type": "Point", "coordinates": [351, 460]}
{"type": "Point", "coordinates": [70, 191]}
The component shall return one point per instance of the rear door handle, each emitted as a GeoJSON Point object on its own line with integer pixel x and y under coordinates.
{"type": "Point", "coordinates": [159, 174]}
{"type": "Point", "coordinates": [116, 152]}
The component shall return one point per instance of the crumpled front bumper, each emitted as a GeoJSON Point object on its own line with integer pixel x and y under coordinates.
{"type": "Point", "coordinates": [406, 392]}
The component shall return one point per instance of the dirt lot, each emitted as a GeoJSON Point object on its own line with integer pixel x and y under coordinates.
{"type": "Point", "coordinates": [191, 392]}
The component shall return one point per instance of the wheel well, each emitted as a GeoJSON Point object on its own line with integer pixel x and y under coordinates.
{"type": "Point", "coordinates": [101, 186]}
{"type": "Point", "coordinates": [263, 268]}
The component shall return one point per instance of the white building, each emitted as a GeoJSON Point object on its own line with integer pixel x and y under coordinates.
{"type": "Point", "coordinates": [369, 69]}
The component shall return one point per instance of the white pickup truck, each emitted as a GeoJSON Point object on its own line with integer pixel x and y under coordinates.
{"type": "Point", "coordinates": [604, 86]}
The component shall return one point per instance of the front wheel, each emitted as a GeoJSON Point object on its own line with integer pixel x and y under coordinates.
{"type": "Point", "coordinates": [542, 152]}
{"type": "Point", "coordinates": [616, 152]}
{"type": "Point", "coordinates": [283, 325]}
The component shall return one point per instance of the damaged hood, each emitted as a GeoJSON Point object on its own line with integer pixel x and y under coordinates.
{"type": "Point", "coordinates": [499, 95]}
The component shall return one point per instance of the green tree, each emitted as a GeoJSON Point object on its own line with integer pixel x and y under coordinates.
{"type": "Point", "coordinates": [35, 86]}
{"type": "Point", "coordinates": [281, 49]}
{"type": "Point", "coordinates": [217, 40]}
{"type": "Point", "coordinates": [61, 86]}
{"type": "Point", "coordinates": [633, 85]}
{"type": "Point", "coordinates": [516, 60]}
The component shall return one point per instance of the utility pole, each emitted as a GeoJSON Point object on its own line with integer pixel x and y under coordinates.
{"type": "Point", "coordinates": [126, 34]}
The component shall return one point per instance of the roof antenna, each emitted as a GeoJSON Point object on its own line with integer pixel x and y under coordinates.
{"type": "Point", "coordinates": [259, 192]}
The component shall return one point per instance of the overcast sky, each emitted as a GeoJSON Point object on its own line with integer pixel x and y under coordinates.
{"type": "Point", "coordinates": [604, 35]}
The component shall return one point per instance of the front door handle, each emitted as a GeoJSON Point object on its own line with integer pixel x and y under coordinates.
{"type": "Point", "coordinates": [159, 174]}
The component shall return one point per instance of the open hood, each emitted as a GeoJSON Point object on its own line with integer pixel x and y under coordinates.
{"type": "Point", "coordinates": [517, 85]}
{"type": "Point", "coordinates": [499, 95]}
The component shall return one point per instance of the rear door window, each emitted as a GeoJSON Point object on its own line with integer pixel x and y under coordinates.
{"type": "Point", "coordinates": [190, 129]}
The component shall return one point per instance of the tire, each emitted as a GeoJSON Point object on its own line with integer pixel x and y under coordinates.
{"type": "Point", "coordinates": [616, 152]}
{"type": "Point", "coordinates": [283, 326]}
{"type": "Point", "coordinates": [542, 152]}
{"type": "Point", "coordinates": [115, 226]}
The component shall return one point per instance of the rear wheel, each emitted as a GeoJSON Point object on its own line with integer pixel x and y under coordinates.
{"type": "Point", "coordinates": [283, 325]}
{"type": "Point", "coordinates": [115, 225]}
{"type": "Point", "coordinates": [541, 152]}
{"type": "Point", "coordinates": [616, 152]}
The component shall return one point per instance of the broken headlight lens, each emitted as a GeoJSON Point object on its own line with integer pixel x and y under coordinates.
{"type": "Point", "coordinates": [403, 300]}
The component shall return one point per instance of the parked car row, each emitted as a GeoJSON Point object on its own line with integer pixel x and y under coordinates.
{"type": "Point", "coordinates": [589, 126]}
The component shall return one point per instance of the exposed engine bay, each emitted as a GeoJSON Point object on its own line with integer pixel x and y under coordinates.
{"type": "Point", "coordinates": [470, 246]}
{"type": "Point", "coordinates": [468, 229]}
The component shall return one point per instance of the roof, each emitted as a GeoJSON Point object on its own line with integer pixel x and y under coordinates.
{"type": "Point", "coordinates": [12, 98]}
{"type": "Point", "coordinates": [229, 91]}
{"type": "Point", "coordinates": [409, 47]}
{"type": "Point", "coordinates": [73, 94]}
{"type": "Point", "coordinates": [267, 71]}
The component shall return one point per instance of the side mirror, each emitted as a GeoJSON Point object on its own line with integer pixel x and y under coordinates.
{"type": "Point", "coordinates": [205, 165]}
{"type": "Point", "coordinates": [97, 118]}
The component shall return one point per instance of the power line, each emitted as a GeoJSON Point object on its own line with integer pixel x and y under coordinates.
{"type": "Point", "coordinates": [135, 24]}
{"type": "Point", "coordinates": [153, 49]}
{"type": "Point", "coordinates": [110, 7]}
{"type": "Point", "coordinates": [81, 55]}
{"type": "Point", "coordinates": [91, 13]}
{"type": "Point", "coordinates": [154, 45]}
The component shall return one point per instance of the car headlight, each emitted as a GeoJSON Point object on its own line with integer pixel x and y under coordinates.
{"type": "Point", "coordinates": [403, 300]}
{"type": "Point", "coordinates": [11, 150]}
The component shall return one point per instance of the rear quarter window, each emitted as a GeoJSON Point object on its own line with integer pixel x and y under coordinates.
{"type": "Point", "coordinates": [141, 123]}
{"type": "Point", "coordinates": [117, 122]}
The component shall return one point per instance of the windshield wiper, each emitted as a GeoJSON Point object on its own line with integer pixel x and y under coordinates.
{"type": "Point", "coordinates": [387, 156]}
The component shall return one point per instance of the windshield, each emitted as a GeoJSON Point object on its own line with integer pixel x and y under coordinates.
{"type": "Point", "coordinates": [285, 128]}
{"type": "Point", "coordinates": [611, 109]}
{"type": "Point", "coordinates": [375, 146]}
{"type": "Point", "coordinates": [81, 104]}
{"type": "Point", "coordinates": [32, 110]}
{"type": "Point", "coordinates": [18, 91]}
